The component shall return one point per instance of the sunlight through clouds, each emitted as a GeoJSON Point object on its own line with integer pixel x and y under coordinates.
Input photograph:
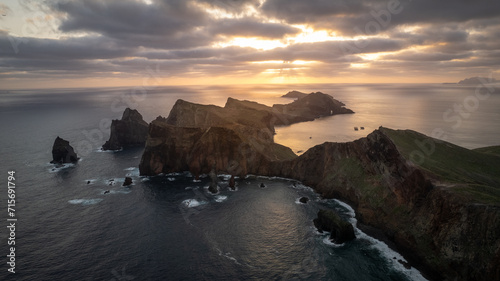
{"type": "Point", "coordinates": [47, 40]}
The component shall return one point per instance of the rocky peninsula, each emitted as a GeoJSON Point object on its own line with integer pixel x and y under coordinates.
{"type": "Point", "coordinates": [236, 139]}
{"type": "Point", "coordinates": [441, 210]}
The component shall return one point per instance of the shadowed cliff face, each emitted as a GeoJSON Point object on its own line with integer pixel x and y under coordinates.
{"type": "Point", "coordinates": [236, 150]}
{"type": "Point", "coordinates": [131, 130]}
{"type": "Point", "coordinates": [237, 138]}
{"type": "Point", "coordinates": [369, 173]}
{"type": "Point", "coordinates": [450, 229]}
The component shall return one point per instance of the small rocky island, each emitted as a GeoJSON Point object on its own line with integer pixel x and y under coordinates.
{"type": "Point", "coordinates": [478, 81]}
{"type": "Point", "coordinates": [63, 152]}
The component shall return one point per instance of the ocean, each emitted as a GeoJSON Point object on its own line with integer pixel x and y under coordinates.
{"type": "Point", "coordinates": [168, 227]}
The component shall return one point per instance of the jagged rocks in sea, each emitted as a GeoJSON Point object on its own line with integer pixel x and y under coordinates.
{"type": "Point", "coordinates": [340, 230]}
{"type": "Point", "coordinates": [213, 187]}
{"type": "Point", "coordinates": [232, 183]}
{"type": "Point", "coordinates": [131, 130]}
{"type": "Point", "coordinates": [63, 152]}
{"type": "Point", "coordinates": [128, 181]}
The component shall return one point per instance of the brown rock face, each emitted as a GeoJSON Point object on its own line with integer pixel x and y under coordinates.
{"type": "Point", "coordinates": [308, 108]}
{"type": "Point", "coordinates": [237, 150]}
{"type": "Point", "coordinates": [131, 130]}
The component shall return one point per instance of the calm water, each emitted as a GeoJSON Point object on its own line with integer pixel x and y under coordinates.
{"type": "Point", "coordinates": [168, 227]}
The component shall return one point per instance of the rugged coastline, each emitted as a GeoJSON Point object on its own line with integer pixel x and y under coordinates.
{"type": "Point", "coordinates": [429, 210]}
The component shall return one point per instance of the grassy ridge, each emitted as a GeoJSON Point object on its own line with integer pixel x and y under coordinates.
{"type": "Point", "coordinates": [493, 150]}
{"type": "Point", "coordinates": [472, 173]}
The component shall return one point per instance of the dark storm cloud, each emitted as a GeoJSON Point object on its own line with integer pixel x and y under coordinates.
{"type": "Point", "coordinates": [181, 37]}
{"type": "Point", "coordinates": [125, 17]}
{"type": "Point", "coordinates": [311, 11]}
{"type": "Point", "coordinates": [95, 47]}
{"type": "Point", "coordinates": [167, 24]}
{"type": "Point", "coordinates": [354, 17]}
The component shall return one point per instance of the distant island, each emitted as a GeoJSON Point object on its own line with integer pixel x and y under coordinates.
{"type": "Point", "coordinates": [477, 81]}
{"type": "Point", "coordinates": [437, 202]}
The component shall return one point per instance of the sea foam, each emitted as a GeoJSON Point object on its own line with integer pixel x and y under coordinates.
{"type": "Point", "coordinates": [85, 202]}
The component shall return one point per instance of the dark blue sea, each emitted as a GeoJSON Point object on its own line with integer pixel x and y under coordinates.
{"type": "Point", "coordinates": [168, 227]}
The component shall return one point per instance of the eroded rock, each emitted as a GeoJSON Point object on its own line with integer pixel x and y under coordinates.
{"type": "Point", "coordinates": [131, 130]}
{"type": "Point", "coordinates": [63, 152]}
{"type": "Point", "coordinates": [341, 231]}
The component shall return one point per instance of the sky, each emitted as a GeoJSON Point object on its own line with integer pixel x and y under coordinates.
{"type": "Point", "coordinates": [61, 43]}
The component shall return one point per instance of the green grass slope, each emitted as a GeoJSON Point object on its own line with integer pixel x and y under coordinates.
{"type": "Point", "coordinates": [493, 150]}
{"type": "Point", "coordinates": [475, 174]}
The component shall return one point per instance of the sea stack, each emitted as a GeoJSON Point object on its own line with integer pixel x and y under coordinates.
{"type": "Point", "coordinates": [341, 231]}
{"type": "Point", "coordinates": [131, 130]}
{"type": "Point", "coordinates": [213, 187]}
{"type": "Point", "coordinates": [62, 152]}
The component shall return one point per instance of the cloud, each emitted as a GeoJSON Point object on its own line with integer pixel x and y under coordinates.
{"type": "Point", "coordinates": [89, 47]}
{"type": "Point", "coordinates": [360, 17]}
{"type": "Point", "coordinates": [248, 27]}
{"type": "Point", "coordinates": [183, 37]}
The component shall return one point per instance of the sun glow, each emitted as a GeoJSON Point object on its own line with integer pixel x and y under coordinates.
{"type": "Point", "coordinates": [309, 35]}
{"type": "Point", "coordinates": [252, 42]}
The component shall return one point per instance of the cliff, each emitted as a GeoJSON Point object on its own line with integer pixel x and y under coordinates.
{"type": "Point", "coordinates": [439, 203]}
{"type": "Point", "coordinates": [236, 138]}
{"type": "Point", "coordinates": [443, 213]}
{"type": "Point", "coordinates": [235, 149]}
{"type": "Point", "coordinates": [131, 130]}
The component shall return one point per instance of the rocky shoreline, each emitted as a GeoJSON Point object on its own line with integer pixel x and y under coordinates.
{"type": "Point", "coordinates": [428, 215]}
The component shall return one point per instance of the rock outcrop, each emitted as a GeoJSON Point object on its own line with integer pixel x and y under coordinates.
{"type": "Point", "coordinates": [236, 150]}
{"type": "Point", "coordinates": [294, 95]}
{"type": "Point", "coordinates": [128, 181]}
{"type": "Point", "coordinates": [131, 130]}
{"type": "Point", "coordinates": [213, 187]}
{"type": "Point", "coordinates": [303, 200]}
{"type": "Point", "coordinates": [232, 183]}
{"type": "Point", "coordinates": [340, 231]}
{"type": "Point", "coordinates": [63, 152]}
{"type": "Point", "coordinates": [307, 108]}
{"type": "Point", "coordinates": [237, 137]}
